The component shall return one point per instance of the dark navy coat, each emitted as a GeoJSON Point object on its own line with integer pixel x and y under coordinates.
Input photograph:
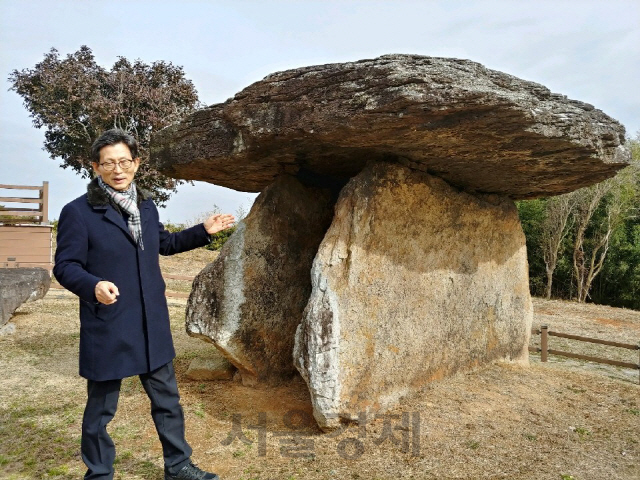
{"type": "Point", "coordinates": [131, 336]}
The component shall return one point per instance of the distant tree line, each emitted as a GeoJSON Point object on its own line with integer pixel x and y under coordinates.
{"type": "Point", "coordinates": [585, 245]}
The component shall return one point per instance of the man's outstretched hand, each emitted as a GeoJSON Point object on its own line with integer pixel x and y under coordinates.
{"type": "Point", "coordinates": [106, 292]}
{"type": "Point", "coordinates": [218, 222]}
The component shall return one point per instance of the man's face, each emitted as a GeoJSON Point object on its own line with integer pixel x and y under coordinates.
{"type": "Point", "coordinates": [118, 178]}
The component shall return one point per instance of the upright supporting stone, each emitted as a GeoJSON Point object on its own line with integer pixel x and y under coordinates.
{"type": "Point", "coordinates": [250, 300]}
{"type": "Point", "coordinates": [413, 281]}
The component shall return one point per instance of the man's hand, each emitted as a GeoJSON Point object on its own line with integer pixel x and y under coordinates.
{"type": "Point", "coordinates": [106, 292]}
{"type": "Point", "coordinates": [218, 222]}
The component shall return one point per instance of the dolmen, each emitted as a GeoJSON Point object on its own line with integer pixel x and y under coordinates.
{"type": "Point", "coordinates": [384, 250]}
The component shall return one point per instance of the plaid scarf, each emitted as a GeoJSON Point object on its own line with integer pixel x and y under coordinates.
{"type": "Point", "coordinates": [127, 200]}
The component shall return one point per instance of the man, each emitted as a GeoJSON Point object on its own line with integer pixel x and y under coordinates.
{"type": "Point", "coordinates": [107, 253]}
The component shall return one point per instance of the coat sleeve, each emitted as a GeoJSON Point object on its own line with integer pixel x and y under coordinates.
{"type": "Point", "coordinates": [183, 241]}
{"type": "Point", "coordinates": [187, 239]}
{"type": "Point", "coordinates": [71, 255]}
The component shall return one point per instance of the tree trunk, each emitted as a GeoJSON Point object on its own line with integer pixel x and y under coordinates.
{"type": "Point", "coordinates": [554, 229]}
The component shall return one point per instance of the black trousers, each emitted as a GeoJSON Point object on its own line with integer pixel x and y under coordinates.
{"type": "Point", "coordinates": [98, 450]}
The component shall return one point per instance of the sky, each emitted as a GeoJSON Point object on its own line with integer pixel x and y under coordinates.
{"type": "Point", "coordinates": [587, 50]}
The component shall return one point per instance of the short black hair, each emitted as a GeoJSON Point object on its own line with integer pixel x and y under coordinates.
{"type": "Point", "coordinates": [113, 137]}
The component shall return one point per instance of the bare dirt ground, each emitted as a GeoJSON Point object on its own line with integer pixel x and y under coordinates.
{"type": "Point", "coordinates": [560, 420]}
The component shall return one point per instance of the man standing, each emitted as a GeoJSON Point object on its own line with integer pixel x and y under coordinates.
{"type": "Point", "coordinates": [107, 254]}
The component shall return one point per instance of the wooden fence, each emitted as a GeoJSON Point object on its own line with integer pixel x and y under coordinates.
{"type": "Point", "coordinates": [34, 215]}
{"type": "Point", "coordinates": [544, 349]}
{"type": "Point", "coordinates": [178, 277]}
{"type": "Point", "coordinates": [25, 233]}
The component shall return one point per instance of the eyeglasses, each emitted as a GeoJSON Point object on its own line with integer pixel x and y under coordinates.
{"type": "Point", "coordinates": [124, 165]}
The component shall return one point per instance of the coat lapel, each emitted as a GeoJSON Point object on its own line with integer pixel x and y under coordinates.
{"type": "Point", "coordinates": [114, 217]}
{"type": "Point", "coordinates": [145, 208]}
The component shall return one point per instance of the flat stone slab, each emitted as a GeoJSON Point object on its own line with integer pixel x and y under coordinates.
{"type": "Point", "coordinates": [20, 285]}
{"type": "Point", "coordinates": [7, 329]}
{"type": "Point", "coordinates": [479, 129]}
{"type": "Point", "coordinates": [215, 367]}
{"type": "Point", "coordinates": [413, 282]}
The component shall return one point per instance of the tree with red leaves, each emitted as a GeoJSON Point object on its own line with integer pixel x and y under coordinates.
{"type": "Point", "coordinates": [75, 100]}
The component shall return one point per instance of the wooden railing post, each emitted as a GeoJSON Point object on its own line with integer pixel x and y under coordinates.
{"type": "Point", "coordinates": [544, 342]}
{"type": "Point", "coordinates": [44, 196]}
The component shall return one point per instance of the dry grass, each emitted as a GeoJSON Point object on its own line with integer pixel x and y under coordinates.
{"type": "Point", "coordinates": [187, 264]}
{"type": "Point", "coordinates": [501, 422]}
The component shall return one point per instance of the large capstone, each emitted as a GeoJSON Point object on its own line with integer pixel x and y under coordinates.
{"type": "Point", "coordinates": [20, 285]}
{"type": "Point", "coordinates": [479, 129]}
{"type": "Point", "coordinates": [413, 281]}
{"type": "Point", "coordinates": [250, 300]}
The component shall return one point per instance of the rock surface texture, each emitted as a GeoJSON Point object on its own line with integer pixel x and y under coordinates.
{"type": "Point", "coordinates": [20, 285]}
{"type": "Point", "coordinates": [479, 129]}
{"type": "Point", "coordinates": [250, 300]}
{"type": "Point", "coordinates": [390, 312]}
{"type": "Point", "coordinates": [420, 269]}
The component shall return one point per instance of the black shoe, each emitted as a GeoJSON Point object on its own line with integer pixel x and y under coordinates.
{"type": "Point", "coordinates": [191, 472]}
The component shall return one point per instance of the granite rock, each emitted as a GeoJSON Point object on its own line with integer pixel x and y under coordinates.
{"type": "Point", "coordinates": [413, 282]}
{"type": "Point", "coordinates": [250, 300]}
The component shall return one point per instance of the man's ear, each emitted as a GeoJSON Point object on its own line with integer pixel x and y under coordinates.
{"type": "Point", "coordinates": [95, 167]}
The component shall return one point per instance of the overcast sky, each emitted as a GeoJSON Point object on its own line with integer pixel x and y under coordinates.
{"type": "Point", "coordinates": [587, 50]}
